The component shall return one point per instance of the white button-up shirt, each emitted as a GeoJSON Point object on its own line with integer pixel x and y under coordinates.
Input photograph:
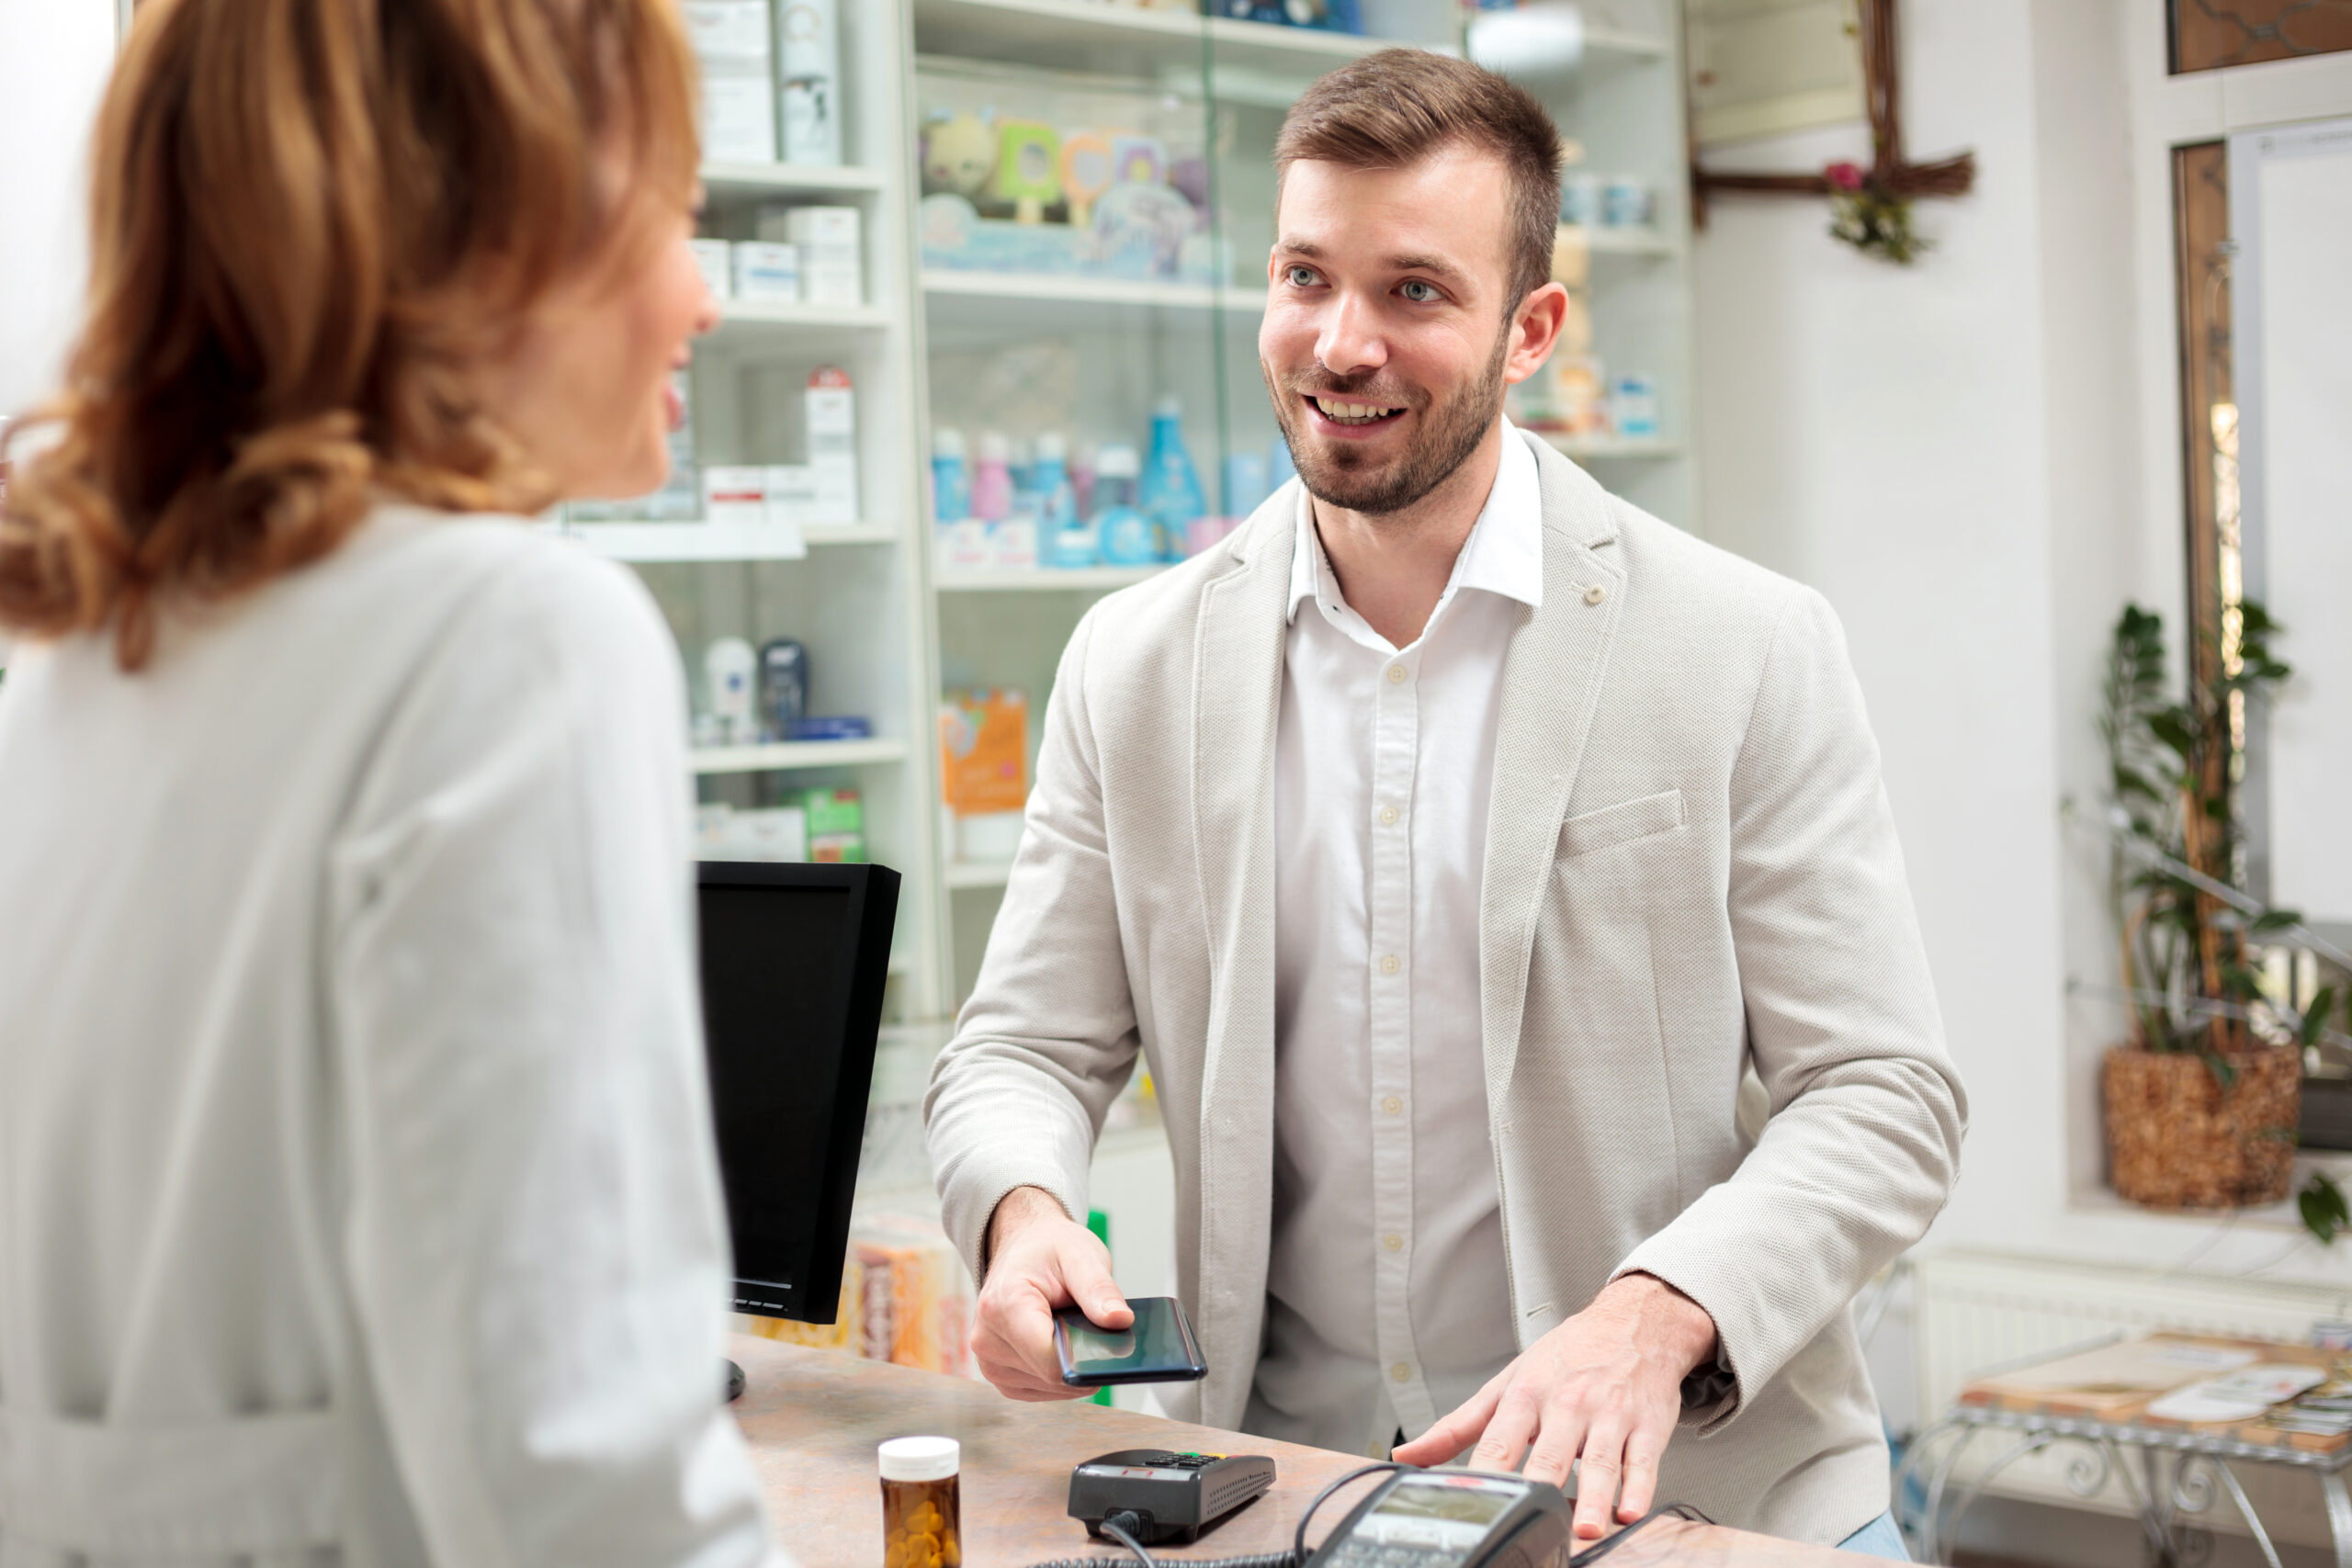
{"type": "Point", "coordinates": [1388, 1298]}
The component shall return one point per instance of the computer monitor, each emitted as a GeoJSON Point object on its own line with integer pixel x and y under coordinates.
{"type": "Point", "coordinates": [794, 958]}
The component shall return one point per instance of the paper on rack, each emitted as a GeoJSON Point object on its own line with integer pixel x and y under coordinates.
{"type": "Point", "coordinates": [2241, 1396]}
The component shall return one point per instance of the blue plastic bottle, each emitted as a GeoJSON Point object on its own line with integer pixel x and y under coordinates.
{"type": "Point", "coordinates": [1062, 539]}
{"type": "Point", "coordinates": [951, 481]}
{"type": "Point", "coordinates": [1126, 535]}
{"type": "Point", "coordinates": [1170, 494]}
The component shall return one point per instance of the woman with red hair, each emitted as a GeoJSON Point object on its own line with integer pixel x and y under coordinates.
{"type": "Point", "coordinates": [357, 1201]}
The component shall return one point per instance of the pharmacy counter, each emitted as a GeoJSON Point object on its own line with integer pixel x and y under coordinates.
{"type": "Point", "coordinates": [814, 1417]}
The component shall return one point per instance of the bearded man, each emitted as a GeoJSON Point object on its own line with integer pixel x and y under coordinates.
{"type": "Point", "coordinates": [1452, 842]}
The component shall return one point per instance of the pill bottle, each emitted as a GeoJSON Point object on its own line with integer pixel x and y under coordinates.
{"type": "Point", "coordinates": [920, 1515]}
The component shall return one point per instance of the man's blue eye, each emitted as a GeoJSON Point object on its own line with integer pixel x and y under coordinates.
{"type": "Point", "coordinates": [1426, 292]}
{"type": "Point", "coordinates": [1301, 276]}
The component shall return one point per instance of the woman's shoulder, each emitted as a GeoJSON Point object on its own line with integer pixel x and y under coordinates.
{"type": "Point", "coordinates": [499, 573]}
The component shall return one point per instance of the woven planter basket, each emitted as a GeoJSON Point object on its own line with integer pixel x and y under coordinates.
{"type": "Point", "coordinates": [2178, 1140]}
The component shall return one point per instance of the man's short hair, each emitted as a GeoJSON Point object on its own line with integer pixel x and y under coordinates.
{"type": "Point", "coordinates": [1390, 109]}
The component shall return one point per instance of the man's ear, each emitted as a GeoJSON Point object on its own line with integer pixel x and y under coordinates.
{"type": "Point", "coordinates": [1535, 328]}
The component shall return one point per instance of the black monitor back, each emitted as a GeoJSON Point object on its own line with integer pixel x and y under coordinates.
{"type": "Point", "coordinates": [793, 960]}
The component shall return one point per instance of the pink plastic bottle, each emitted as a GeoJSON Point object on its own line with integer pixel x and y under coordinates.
{"type": "Point", "coordinates": [992, 480]}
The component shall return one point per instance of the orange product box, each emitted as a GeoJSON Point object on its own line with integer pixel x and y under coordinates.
{"type": "Point", "coordinates": [984, 750]}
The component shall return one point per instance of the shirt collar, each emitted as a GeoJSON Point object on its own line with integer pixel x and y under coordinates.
{"type": "Point", "coordinates": [1504, 553]}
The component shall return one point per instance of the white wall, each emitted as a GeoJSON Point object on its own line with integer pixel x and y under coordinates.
{"type": "Point", "coordinates": [54, 55]}
{"type": "Point", "coordinates": [1974, 458]}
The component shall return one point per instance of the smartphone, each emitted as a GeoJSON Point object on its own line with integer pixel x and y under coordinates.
{"type": "Point", "coordinates": [1158, 1346]}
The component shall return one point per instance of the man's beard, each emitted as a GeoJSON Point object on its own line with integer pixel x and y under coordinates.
{"type": "Point", "coordinates": [1338, 475]}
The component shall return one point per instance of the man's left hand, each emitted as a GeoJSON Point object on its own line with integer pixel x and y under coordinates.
{"type": "Point", "coordinates": [1604, 1388]}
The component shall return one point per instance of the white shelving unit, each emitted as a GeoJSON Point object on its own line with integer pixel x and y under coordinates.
{"type": "Point", "coordinates": [887, 629]}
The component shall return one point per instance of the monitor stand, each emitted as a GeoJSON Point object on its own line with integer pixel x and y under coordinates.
{"type": "Point", "coordinates": [734, 1382]}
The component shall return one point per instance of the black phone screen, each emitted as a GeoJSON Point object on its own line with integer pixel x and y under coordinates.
{"type": "Point", "coordinates": [1157, 1348]}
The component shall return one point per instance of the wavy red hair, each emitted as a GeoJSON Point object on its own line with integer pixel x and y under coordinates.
{"type": "Point", "coordinates": [312, 222]}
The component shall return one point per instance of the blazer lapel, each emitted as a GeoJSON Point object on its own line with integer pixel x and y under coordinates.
{"type": "Point", "coordinates": [1551, 680]}
{"type": "Point", "coordinates": [1236, 699]}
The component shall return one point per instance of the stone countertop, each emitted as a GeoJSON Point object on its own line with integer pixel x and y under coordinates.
{"type": "Point", "coordinates": [813, 1418]}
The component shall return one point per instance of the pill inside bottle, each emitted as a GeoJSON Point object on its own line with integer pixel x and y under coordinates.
{"type": "Point", "coordinates": [921, 1512]}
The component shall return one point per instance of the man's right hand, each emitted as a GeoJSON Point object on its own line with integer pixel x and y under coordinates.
{"type": "Point", "coordinates": [1038, 1258]}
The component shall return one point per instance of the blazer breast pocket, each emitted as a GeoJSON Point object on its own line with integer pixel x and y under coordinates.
{"type": "Point", "coordinates": [1620, 824]}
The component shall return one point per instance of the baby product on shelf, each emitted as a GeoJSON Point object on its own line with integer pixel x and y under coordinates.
{"type": "Point", "coordinates": [992, 480]}
{"type": "Point", "coordinates": [1087, 180]}
{"type": "Point", "coordinates": [808, 81]}
{"type": "Point", "coordinates": [1633, 405]}
{"type": "Point", "coordinates": [1125, 534]}
{"type": "Point", "coordinates": [732, 45]}
{"type": "Point", "coordinates": [951, 480]}
{"type": "Point", "coordinates": [984, 770]}
{"type": "Point", "coordinates": [1050, 480]}
{"type": "Point", "coordinates": [1170, 492]}
{"type": "Point", "coordinates": [1028, 168]}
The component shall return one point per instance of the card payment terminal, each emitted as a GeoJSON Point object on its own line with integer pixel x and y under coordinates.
{"type": "Point", "coordinates": [1452, 1518]}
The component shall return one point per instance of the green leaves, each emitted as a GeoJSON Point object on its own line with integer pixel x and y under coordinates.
{"type": "Point", "coordinates": [2315, 1017]}
{"type": "Point", "coordinates": [2322, 1205]}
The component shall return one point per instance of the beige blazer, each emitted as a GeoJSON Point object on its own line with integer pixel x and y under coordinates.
{"type": "Point", "coordinates": [1690, 868]}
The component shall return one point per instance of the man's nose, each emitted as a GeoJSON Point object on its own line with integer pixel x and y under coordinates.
{"type": "Point", "coordinates": [1351, 339]}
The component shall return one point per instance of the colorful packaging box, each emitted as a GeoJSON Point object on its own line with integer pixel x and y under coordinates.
{"type": "Point", "coordinates": [984, 750]}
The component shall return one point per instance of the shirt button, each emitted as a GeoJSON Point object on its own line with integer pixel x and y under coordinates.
{"type": "Point", "coordinates": [1388, 817]}
{"type": "Point", "coordinates": [1390, 965]}
{"type": "Point", "coordinates": [1392, 1241]}
{"type": "Point", "coordinates": [1393, 1106]}
{"type": "Point", "coordinates": [1595, 594]}
{"type": "Point", "coordinates": [1401, 1372]}
{"type": "Point", "coordinates": [1395, 674]}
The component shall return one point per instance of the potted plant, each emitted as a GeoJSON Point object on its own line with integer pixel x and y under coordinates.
{"type": "Point", "coordinates": [2202, 1101]}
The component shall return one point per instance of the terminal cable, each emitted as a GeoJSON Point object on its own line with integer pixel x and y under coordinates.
{"type": "Point", "coordinates": [1600, 1549]}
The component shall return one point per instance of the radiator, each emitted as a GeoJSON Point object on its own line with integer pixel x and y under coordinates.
{"type": "Point", "coordinates": [1973, 1312]}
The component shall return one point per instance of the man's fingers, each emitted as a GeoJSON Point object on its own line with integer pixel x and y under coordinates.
{"type": "Point", "coordinates": [1596, 1473]}
{"type": "Point", "coordinates": [1455, 1431]}
{"type": "Point", "coordinates": [1560, 1434]}
{"type": "Point", "coordinates": [1509, 1431]}
{"type": "Point", "coordinates": [1085, 1268]}
{"type": "Point", "coordinates": [1644, 1449]}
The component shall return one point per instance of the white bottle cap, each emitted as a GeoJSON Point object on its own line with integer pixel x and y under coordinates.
{"type": "Point", "coordinates": [993, 447]}
{"type": "Point", "coordinates": [1118, 461]}
{"type": "Point", "coordinates": [919, 1459]}
{"type": "Point", "coordinates": [1051, 449]}
{"type": "Point", "coordinates": [1170, 403]}
{"type": "Point", "coordinates": [947, 441]}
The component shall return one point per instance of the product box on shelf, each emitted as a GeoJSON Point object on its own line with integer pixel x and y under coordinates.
{"type": "Point", "coordinates": [833, 262]}
{"type": "Point", "coordinates": [733, 45]}
{"type": "Point", "coordinates": [831, 424]}
{"type": "Point", "coordinates": [772, 833]}
{"type": "Point", "coordinates": [984, 750]}
{"type": "Point", "coordinates": [808, 81]}
{"type": "Point", "coordinates": [836, 825]}
{"type": "Point", "coordinates": [735, 494]}
{"type": "Point", "coordinates": [766, 271]}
